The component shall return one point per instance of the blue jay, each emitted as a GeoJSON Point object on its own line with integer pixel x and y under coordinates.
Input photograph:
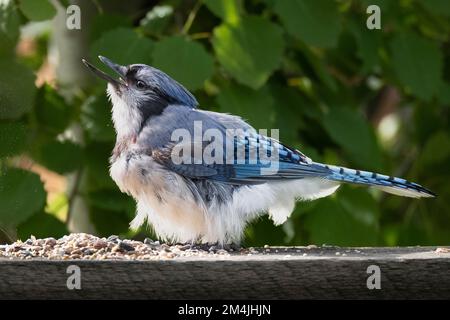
{"type": "Point", "coordinates": [209, 202]}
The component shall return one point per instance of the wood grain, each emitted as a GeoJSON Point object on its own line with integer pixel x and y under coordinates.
{"type": "Point", "coordinates": [284, 273]}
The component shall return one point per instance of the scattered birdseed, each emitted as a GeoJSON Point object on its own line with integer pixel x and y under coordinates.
{"type": "Point", "coordinates": [113, 238]}
{"type": "Point", "coordinates": [100, 244]}
{"type": "Point", "coordinates": [125, 246]}
{"type": "Point", "coordinates": [185, 247]}
{"type": "Point", "coordinates": [86, 246]}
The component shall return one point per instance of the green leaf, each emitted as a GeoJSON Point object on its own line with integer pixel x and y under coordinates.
{"type": "Point", "coordinates": [355, 136]}
{"type": "Point", "coordinates": [6, 47]}
{"type": "Point", "coordinates": [58, 205]}
{"type": "Point", "coordinates": [255, 106]}
{"type": "Point", "coordinates": [250, 50]}
{"type": "Point", "coordinates": [96, 118]}
{"type": "Point", "coordinates": [157, 19]}
{"type": "Point", "coordinates": [290, 105]}
{"type": "Point", "coordinates": [436, 151]}
{"type": "Point", "coordinates": [427, 120]}
{"type": "Point", "coordinates": [444, 93]}
{"type": "Point", "coordinates": [360, 204]}
{"type": "Point", "coordinates": [381, 3]}
{"type": "Point", "coordinates": [194, 64]}
{"type": "Point", "coordinates": [319, 66]}
{"type": "Point", "coordinates": [369, 43]}
{"type": "Point", "coordinates": [437, 7]}
{"type": "Point", "coordinates": [227, 10]}
{"type": "Point", "coordinates": [37, 10]}
{"type": "Point", "coordinates": [316, 22]}
{"type": "Point", "coordinates": [52, 111]}
{"type": "Point", "coordinates": [42, 225]}
{"type": "Point", "coordinates": [123, 46]}
{"type": "Point", "coordinates": [112, 199]}
{"type": "Point", "coordinates": [108, 222]}
{"type": "Point", "coordinates": [417, 63]}
{"type": "Point", "coordinates": [13, 138]}
{"type": "Point", "coordinates": [21, 194]}
{"type": "Point", "coordinates": [9, 21]}
{"type": "Point", "coordinates": [16, 90]}
{"type": "Point", "coordinates": [262, 232]}
{"type": "Point", "coordinates": [61, 157]}
{"type": "Point", "coordinates": [331, 223]}
{"type": "Point", "coordinates": [105, 22]}
{"type": "Point", "coordinates": [97, 166]}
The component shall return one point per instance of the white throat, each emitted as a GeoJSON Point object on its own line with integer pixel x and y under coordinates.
{"type": "Point", "coordinates": [126, 119]}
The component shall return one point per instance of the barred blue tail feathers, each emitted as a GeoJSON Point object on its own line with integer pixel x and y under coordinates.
{"type": "Point", "coordinates": [394, 185]}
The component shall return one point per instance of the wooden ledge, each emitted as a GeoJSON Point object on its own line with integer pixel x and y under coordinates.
{"type": "Point", "coordinates": [275, 273]}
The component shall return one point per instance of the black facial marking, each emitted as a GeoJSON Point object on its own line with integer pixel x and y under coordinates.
{"type": "Point", "coordinates": [152, 108]}
{"type": "Point", "coordinates": [131, 73]}
{"type": "Point", "coordinates": [156, 100]}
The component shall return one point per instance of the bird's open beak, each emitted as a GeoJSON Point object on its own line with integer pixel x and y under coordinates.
{"type": "Point", "coordinates": [120, 70]}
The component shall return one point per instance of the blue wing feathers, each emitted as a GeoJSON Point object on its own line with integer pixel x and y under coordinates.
{"type": "Point", "coordinates": [289, 164]}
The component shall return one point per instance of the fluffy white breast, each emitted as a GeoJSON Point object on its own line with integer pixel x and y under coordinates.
{"type": "Point", "coordinates": [163, 198]}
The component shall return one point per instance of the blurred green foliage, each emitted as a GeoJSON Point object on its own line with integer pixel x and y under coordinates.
{"type": "Point", "coordinates": [343, 94]}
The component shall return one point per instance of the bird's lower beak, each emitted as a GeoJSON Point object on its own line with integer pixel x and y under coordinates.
{"type": "Point", "coordinates": [120, 70]}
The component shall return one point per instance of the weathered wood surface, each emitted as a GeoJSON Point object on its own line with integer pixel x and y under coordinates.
{"type": "Point", "coordinates": [291, 273]}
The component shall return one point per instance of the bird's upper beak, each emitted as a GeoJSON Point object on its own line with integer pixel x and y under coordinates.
{"type": "Point", "coordinates": [120, 70]}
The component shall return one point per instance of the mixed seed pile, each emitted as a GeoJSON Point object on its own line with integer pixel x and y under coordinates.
{"type": "Point", "coordinates": [86, 246]}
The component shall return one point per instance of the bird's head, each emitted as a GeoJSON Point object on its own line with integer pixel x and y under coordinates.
{"type": "Point", "coordinates": [141, 91]}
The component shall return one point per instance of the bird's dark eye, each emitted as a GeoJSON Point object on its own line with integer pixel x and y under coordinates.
{"type": "Point", "coordinates": [140, 84]}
